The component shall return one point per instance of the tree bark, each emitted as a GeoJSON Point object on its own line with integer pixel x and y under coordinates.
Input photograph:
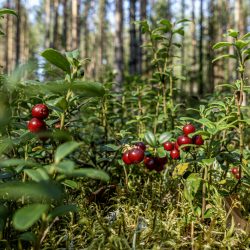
{"type": "Point", "coordinates": [119, 58]}
{"type": "Point", "coordinates": [65, 25]}
{"type": "Point", "coordinates": [194, 50]}
{"type": "Point", "coordinates": [18, 31]}
{"type": "Point", "coordinates": [74, 24]}
{"type": "Point", "coordinates": [47, 23]}
{"type": "Point", "coordinates": [86, 28]}
{"type": "Point", "coordinates": [201, 83]}
{"type": "Point", "coordinates": [133, 38]}
{"type": "Point", "coordinates": [55, 41]}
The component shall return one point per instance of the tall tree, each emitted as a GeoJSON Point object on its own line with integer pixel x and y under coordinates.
{"type": "Point", "coordinates": [55, 41]}
{"type": "Point", "coordinates": [143, 16]}
{"type": "Point", "coordinates": [183, 45]}
{"type": "Point", "coordinates": [194, 49]}
{"type": "Point", "coordinates": [119, 58]}
{"type": "Point", "coordinates": [86, 27]}
{"type": "Point", "coordinates": [239, 16]}
{"type": "Point", "coordinates": [101, 33]}
{"type": "Point", "coordinates": [211, 41]}
{"type": "Point", "coordinates": [74, 24]}
{"type": "Point", "coordinates": [9, 40]}
{"type": "Point", "coordinates": [133, 38]}
{"type": "Point", "coordinates": [47, 24]}
{"type": "Point", "coordinates": [65, 25]}
{"type": "Point", "coordinates": [201, 83]}
{"type": "Point", "coordinates": [18, 31]}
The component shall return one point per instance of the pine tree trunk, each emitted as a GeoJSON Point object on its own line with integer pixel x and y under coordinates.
{"type": "Point", "coordinates": [18, 31]}
{"type": "Point", "coordinates": [55, 42]}
{"type": "Point", "coordinates": [86, 28]}
{"type": "Point", "coordinates": [133, 38]}
{"type": "Point", "coordinates": [194, 50]}
{"type": "Point", "coordinates": [47, 24]}
{"type": "Point", "coordinates": [74, 24]}
{"type": "Point", "coordinates": [183, 45]}
{"type": "Point", "coordinates": [143, 16]}
{"type": "Point", "coordinates": [65, 25]}
{"type": "Point", "coordinates": [201, 83]}
{"type": "Point", "coordinates": [119, 58]}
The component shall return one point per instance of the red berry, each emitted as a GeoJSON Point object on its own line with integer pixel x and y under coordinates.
{"type": "Point", "coordinates": [35, 125]}
{"type": "Point", "coordinates": [140, 145]}
{"type": "Point", "coordinates": [160, 162]}
{"type": "Point", "coordinates": [40, 111]}
{"type": "Point", "coordinates": [182, 140]}
{"type": "Point", "coordinates": [188, 129]}
{"type": "Point", "coordinates": [234, 171]}
{"type": "Point", "coordinates": [176, 146]}
{"type": "Point", "coordinates": [175, 154]}
{"type": "Point", "coordinates": [149, 162]}
{"type": "Point", "coordinates": [168, 146]}
{"type": "Point", "coordinates": [125, 158]}
{"type": "Point", "coordinates": [197, 140]}
{"type": "Point", "coordinates": [136, 155]}
{"type": "Point", "coordinates": [237, 176]}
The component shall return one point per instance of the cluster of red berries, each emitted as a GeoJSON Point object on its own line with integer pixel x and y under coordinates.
{"type": "Point", "coordinates": [37, 124]}
{"type": "Point", "coordinates": [173, 147]}
{"type": "Point", "coordinates": [236, 173]}
{"type": "Point", "coordinates": [136, 154]}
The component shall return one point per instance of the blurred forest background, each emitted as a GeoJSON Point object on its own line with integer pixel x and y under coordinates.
{"type": "Point", "coordinates": [105, 32]}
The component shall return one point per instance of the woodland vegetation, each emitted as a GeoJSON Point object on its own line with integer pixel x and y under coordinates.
{"type": "Point", "coordinates": [124, 124]}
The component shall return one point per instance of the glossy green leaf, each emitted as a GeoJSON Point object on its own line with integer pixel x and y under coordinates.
{"type": "Point", "coordinates": [165, 137]}
{"type": "Point", "coordinates": [192, 185]}
{"type": "Point", "coordinates": [233, 33]}
{"type": "Point", "coordinates": [56, 58]}
{"type": "Point", "coordinates": [28, 215]}
{"type": "Point", "coordinates": [62, 210]}
{"type": "Point", "coordinates": [35, 191]}
{"type": "Point", "coordinates": [90, 173]}
{"type": "Point", "coordinates": [65, 149]}
{"type": "Point", "coordinates": [27, 236]}
{"type": "Point", "coordinates": [7, 11]}
{"type": "Point", "coordinates": [221, 45]}
{"type": "Point", "coordinates": [88, 89]}
{"type": "Point", "coordinates": [224, 56]}
{"type": "Point", "coordinates": [150, 139]}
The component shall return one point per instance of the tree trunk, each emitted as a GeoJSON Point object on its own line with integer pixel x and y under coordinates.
{"type": "Point", "coordinates": [55, 42]}
{"type": "Point", "coordinates": [65, 25]}
{"type": "Point", "coordinates": [211, 34]}
{"type": "Point", "coordinates": [183, 45]}
{"type": "Point", "coordinates": [18, 31]}
{"type": "Point", "coordinates": [74, 24]}
{"type": "Point", "coordinates": [119, 59]}
{"type": "Point", "coordinates": [201, 83]}
{"type": "Point", "coordinates": [239, 16]}
{"type": "Point", "coordinates": [143, 16]}
{"type": "Point", "coordinates": [79, 23]}
{"type": "Point", "coordinates": [47, 24]}
{"type": "Point", "coordinates": [133, 38]}
{"type": "Point", "coordinates": [86, 28]}
{"type": "Point", "coordinates": [101, 33]}
{"type": "Point", "coordinates": [194, 49]}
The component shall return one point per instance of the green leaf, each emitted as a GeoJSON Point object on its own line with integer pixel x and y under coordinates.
{"type": "Point", "coordinates": [165, 137]}
{"type": "Point", "coordinates": [27, 216]}
{"type": "Point", "coordinates": [183, 21]}
{"type": "Point", "coordinates": [36, 191]}
{"type": "Point", "coordinates": [233, 33]}
{"type": "Point", "coordinates": [28, 236]}
{"type": "Point", "coordinates": [150, 139]}
{"type": "Point", "coordinates": [221, 45]}
{"type": "Point", "coordinates": [37, 174]}
{"type": "Point", "coordinates": [71, 184]}
{"type": "Point", "coordinates": [161, 152]}
{"type": "Point", "coordinates": [62, 210]}
{"type": "Point", "coordinates": [7, 11]}
{"type": "Point", "coordinates": [224, 56]}
{"type": "Point", "coordinates": [192, 185]}
{"type": "Point", "coordinates": [179, 31]}
{"type": "Point", "coordinates": [57, 59]}
{"type": "Point", "coordinates": [241, 44]}
{"type": "Point", "coordinates": [166, 23]}
{"type": "Point", "coordinates": [247, 35]}
{"type": "Point", "coordinates": [180, 169]}
{"type": "Point", "coordinates": [89, 172]}
{"type": "Point", "coordinates": [65, 149]}
{"type": "Point", "coordinates": [88, 89]}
